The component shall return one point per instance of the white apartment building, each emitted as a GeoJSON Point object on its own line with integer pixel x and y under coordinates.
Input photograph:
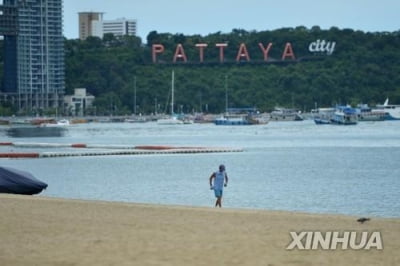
{"type": "Point", "coordinates": [119, 27]}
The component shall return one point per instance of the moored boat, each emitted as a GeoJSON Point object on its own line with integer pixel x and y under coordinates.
{"type": "Point", "coordinates": [59, 123]}
{"type": "Point", "coordinates": [365, 113]}
{"type": "Point", "coordinates": [35, 131]}
{"type": "Point", "coordinates": [323, 116]}
{"type": "Point", "coordinates": [241, 116]}
{"type": "Point", "coordinates": [392, 111]}
{"type": "Point", "coordinates": [285, 114]}
{"type": "Point", "coordinates": [344, 115]}
{"type": "Point", "coordinates": [171, 120]}
{"type": "Point", "coordinates": [231, 120]}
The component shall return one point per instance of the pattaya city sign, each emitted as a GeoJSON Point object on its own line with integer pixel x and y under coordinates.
{"type": "Point", "coordinates": [242, 53]}
{"type": "Point", "coordinates": [322, 46]}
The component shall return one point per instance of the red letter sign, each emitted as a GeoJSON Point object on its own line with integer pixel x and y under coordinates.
{"type": "Point", "coordinates": [180, 53]}
{"type": "Point", "coordinates": [157, 49]}
{"type": "Point", "coordinates": [201, 50]}
{"type": "Point", "coordinates": [288, 52]}
{"type": "Point", "coordinates": [242, 53]}
{"type": "Point", "coordinates": [221, 51]}
{"type": "Point", "coordinates": [265, 50]}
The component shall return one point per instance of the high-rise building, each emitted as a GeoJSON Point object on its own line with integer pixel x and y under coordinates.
{"type": "Point", "coordinates": [87, 23]}
{"type": "Point", "coordinates": [34, 52]}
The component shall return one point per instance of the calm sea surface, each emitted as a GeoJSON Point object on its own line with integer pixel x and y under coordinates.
{"type": "Point", "coordinates": [295, 166]}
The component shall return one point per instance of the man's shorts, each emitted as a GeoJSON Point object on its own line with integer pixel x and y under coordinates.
{"type": "Point", "coordinates": [218, 193]}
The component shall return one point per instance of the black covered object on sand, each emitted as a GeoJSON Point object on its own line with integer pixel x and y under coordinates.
{"type": "Point", "coordinates": [19, 182]}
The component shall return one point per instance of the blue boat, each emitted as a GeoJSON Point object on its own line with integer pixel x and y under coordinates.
{"type": "Point", "coordinates": [344, 115]}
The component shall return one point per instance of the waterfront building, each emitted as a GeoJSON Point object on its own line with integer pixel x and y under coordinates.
{"type": "Point", "coordinates": [77, 103]}
{"type": "Point", "coordinates": [34, 73]}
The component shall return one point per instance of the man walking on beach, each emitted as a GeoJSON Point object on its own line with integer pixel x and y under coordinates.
{"type": "Point", "coordinates": [219, 184]}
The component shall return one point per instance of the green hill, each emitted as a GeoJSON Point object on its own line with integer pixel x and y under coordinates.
{"type": "Point", "coordinates": [363, 68]}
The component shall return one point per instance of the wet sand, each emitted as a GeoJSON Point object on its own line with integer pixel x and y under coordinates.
{"type": "Point", "coordinates": [49, 231]}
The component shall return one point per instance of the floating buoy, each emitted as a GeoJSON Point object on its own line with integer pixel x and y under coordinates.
{"type": "Point", "coordinates": [6, 143]}
{"type": "Point", "coordinates": [20, 155]}
{"type": "Point", "coordinates": [78, 145]}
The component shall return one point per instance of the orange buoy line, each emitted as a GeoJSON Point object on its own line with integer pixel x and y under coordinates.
{"type": "Point", "coordinates": [136, 152]}
{"type": "Point", "coordinates": [115, 152]}
{"type": "Point", "coordinates": [95, 146]}
{"type": "Point", "coordinates": [19, 155]}
{"type": "Point", "coordinates": [153, 147]}
{"type": "Point", "coordinates": [93, 150]}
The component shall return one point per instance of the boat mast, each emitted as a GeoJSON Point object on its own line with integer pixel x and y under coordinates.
{"type": "Point", "coordinates": [172, 92]}
{"type": "Point", "coordinates": [226, 93]}
{"type": "Point", "coordinates": [134, 95]}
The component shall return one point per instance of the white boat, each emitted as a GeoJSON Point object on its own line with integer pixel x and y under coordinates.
{"type": "Point", "coordinates": [392, 111]}
{"type": "Point", "coordinates": [59, 123]}
{"type": "Point", "coordinates": [344, 115]}
{"type": "Point", "coordinates": [232, 120]}
{"type": "Point", "coordinates": [365, 113]}
{"type": "Point", "coordinates": [172, 119]}
{"type": "Point", "coordinates": [135, 120]}
{"type": "Point", "coordinates": [284, 114]}
{"type": "Point", "coordinates": [322, 116]}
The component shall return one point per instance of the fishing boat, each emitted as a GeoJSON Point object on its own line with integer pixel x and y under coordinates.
{"type": "Point", "coordinates": [232, 120]}
{"type": "Point", "coordinates": [392, 111]}
{"type": "Point", "coordinates": [241, 116]}
{"type": "Point", "coordinates": [344, 115]}
{"type": "Point", "coordinates": [323, 116]}
{"type": "Point", "coordinates": [285, 114]}
{"type": "Point", "coordinates": [365, 113]}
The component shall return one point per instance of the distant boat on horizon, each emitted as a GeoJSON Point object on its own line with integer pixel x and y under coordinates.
{"type": "Point", "coordinates": [241, 116]}
{"type": "Point", "coordinates": [285, 114]}
{"type": "Point", "coordinates": [172, 119]}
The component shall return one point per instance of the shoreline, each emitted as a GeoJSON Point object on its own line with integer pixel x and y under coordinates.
{"type": "Point", "coordinates": [53, 231]}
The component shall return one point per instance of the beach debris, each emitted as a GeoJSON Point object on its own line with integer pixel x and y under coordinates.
{"type": "Point", "coordinates": [363, 219]}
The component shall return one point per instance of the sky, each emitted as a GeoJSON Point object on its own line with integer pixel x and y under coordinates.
{"type": "Point", "coordinates": [209, 16]}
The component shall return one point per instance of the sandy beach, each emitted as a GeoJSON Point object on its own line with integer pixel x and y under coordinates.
{"type": "Point", "coordinates": [50, 231]}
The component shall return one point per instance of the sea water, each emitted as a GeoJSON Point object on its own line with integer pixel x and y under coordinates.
{"type": "Point", "coordinates": [293, 166]}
